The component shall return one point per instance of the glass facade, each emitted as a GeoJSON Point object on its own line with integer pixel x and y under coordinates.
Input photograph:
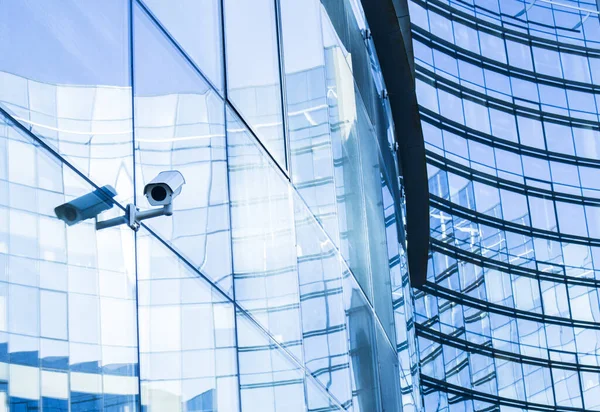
{"type": "Point", "coordinates": [279, 283]}
{"type": "Point", "coordinates": [509, 102]}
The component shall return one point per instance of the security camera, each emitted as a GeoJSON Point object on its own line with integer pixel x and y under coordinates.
{"type": "Point", "coordinates": [164, 188]}
{"type": "Point", "coordinates": [160, 192]}
{"type": "Point", "coordinates": [86, 206]}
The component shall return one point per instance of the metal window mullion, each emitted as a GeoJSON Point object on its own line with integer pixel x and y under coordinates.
{"type": "Point", "coordinates": [567, 288]}
{"type": "Point", "coordinates": [531, 237]}
{"type": "Point", "coordinates": [437, 302]}
{"type": "Point", "coordinates": [282, 86]}
{"type": "Point", "coordinates": [131, 34]}
{"type": "Point", "coordinates": [483, 282]}
{"type": "Point", "coordinates": [225, 85]}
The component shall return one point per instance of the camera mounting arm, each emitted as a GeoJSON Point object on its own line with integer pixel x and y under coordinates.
{"type": "Point", "coordinates": [133, 217]}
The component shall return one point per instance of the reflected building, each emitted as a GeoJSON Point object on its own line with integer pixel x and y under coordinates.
{"type": "Point", "coordinates": [508, 100]}
{"type": "Point", "coordinates": [281, 281]}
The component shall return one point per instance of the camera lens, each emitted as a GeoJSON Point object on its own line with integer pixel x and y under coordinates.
{"type": "Point", "coordinates": [158, 193]}
{"type": "Point", "coordinates": [70, 214]}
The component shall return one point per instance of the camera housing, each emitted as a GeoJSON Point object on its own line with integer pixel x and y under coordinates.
{"type": "Point", "coordinates": [165, 187]}
{"type": "Point", "coordinates": [87, 206]}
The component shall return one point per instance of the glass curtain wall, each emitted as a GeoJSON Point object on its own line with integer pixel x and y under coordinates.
{"type": "Point", "coordinates": [508, 95]}
{"type": "Point", "coordinates": [280, 281]}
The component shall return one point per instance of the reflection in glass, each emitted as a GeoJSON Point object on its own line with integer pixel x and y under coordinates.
{"type": "Point", "coordinates": [311, 151]}
{"type": "Point", "coordinates": [269, 381]}
{"type": "Point", "coordinates": [72, 87]}
{"type": "Point", "coordinates": [187, 335]}
{"type": "Point", "coordinates": [196, 26]}
{"type": "Point", "coordinates": [325, 343]}
{"type": "Point", "coordinates": [263, 243]}
{"type": "Point", "coordinates": [179, 125]}
{"type": "Point", "coordinates": [269, 287]}
{"type": "Point", "coordinates": [67, 294]}
{"type": "Point", "coordinates": [253, 79]}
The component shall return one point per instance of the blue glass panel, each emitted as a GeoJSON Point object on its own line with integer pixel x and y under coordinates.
{"type": "Point", "coordinates": [264, 251]}
{"type": "Point", "coordinates": [269, 380]}
{"type": "Point", "coordinates": [253, 79]}
{"type": "Point", "coordinates": [389, 374]}
{"type": "Point", "coordinates": [196, 26]}
{"type": "Point", "coordinates": [68, 42]}
{"type": "Point", "coordinates": [72, 87]}
{"type": "Point", "coordinates": [179, 125]}
{"type": "Point", "coordinates": [187, 335]}
{"type": "Point", "coordinates": [55, 405]}
{"type": "Point", "coordinates": [53, 293]}
{"type": "Point", "coordinates": [325, 331]}
{"type": "Point", "coordinates": [307, 98]}
{"type": "Point", "coordinates": [341, 355]}
{"type": "Point", "coordinates": [85, 402]}
{"type": "Point", "coordinates": [362, 340]}
{"type": "Point", "coordinates": [23, 405]}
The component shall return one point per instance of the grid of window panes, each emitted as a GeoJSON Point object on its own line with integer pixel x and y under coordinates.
{"type": "Point", "coordinates": [509, 95]}
{"type": "Point", "coordinates": [279, 283]}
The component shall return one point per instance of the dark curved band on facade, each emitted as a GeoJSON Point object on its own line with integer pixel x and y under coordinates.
{"type": "Point", "coordinates": [494, 264]}
{"type": "Point", "coordinates": [479, 304]}
{"type": "Point", "coordinates": [479, 218]}
{"type": "Point", "coordinates": [462, 392]}
{"type": "Point", "coordinates": [444, 46]}
{"type": "Point", "coordinates": [519, 36]}
{"type": "Point", "coordinates": [489, 351]}
{"type": "Point", "coordinates": [442, 83]}
{"type": "Point", "coordinates": [384, 23]}
{"type": "Point", "coordinates": [475, 175]}
{"type": "Point", "coordinates": [466, 132]}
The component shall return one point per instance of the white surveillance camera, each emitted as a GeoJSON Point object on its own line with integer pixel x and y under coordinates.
{"type": "Point", "coordinates": [165, 187]}
{"type": "Point", "coordinates": [86, 206]}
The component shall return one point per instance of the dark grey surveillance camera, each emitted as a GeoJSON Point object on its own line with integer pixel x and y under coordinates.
{"type": "Point", "coordinates": [86, 206]}
{"type": "Point", "coordinates": [164, 188]}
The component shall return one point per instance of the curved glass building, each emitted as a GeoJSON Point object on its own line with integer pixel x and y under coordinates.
{"type": "Point", "coordinates": [509, 101]}
{"type": "Point", "coordinates": [281, 280]}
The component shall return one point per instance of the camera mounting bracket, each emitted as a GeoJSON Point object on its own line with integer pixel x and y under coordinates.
{"type": "Point", "coordinates": [133, 216]}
